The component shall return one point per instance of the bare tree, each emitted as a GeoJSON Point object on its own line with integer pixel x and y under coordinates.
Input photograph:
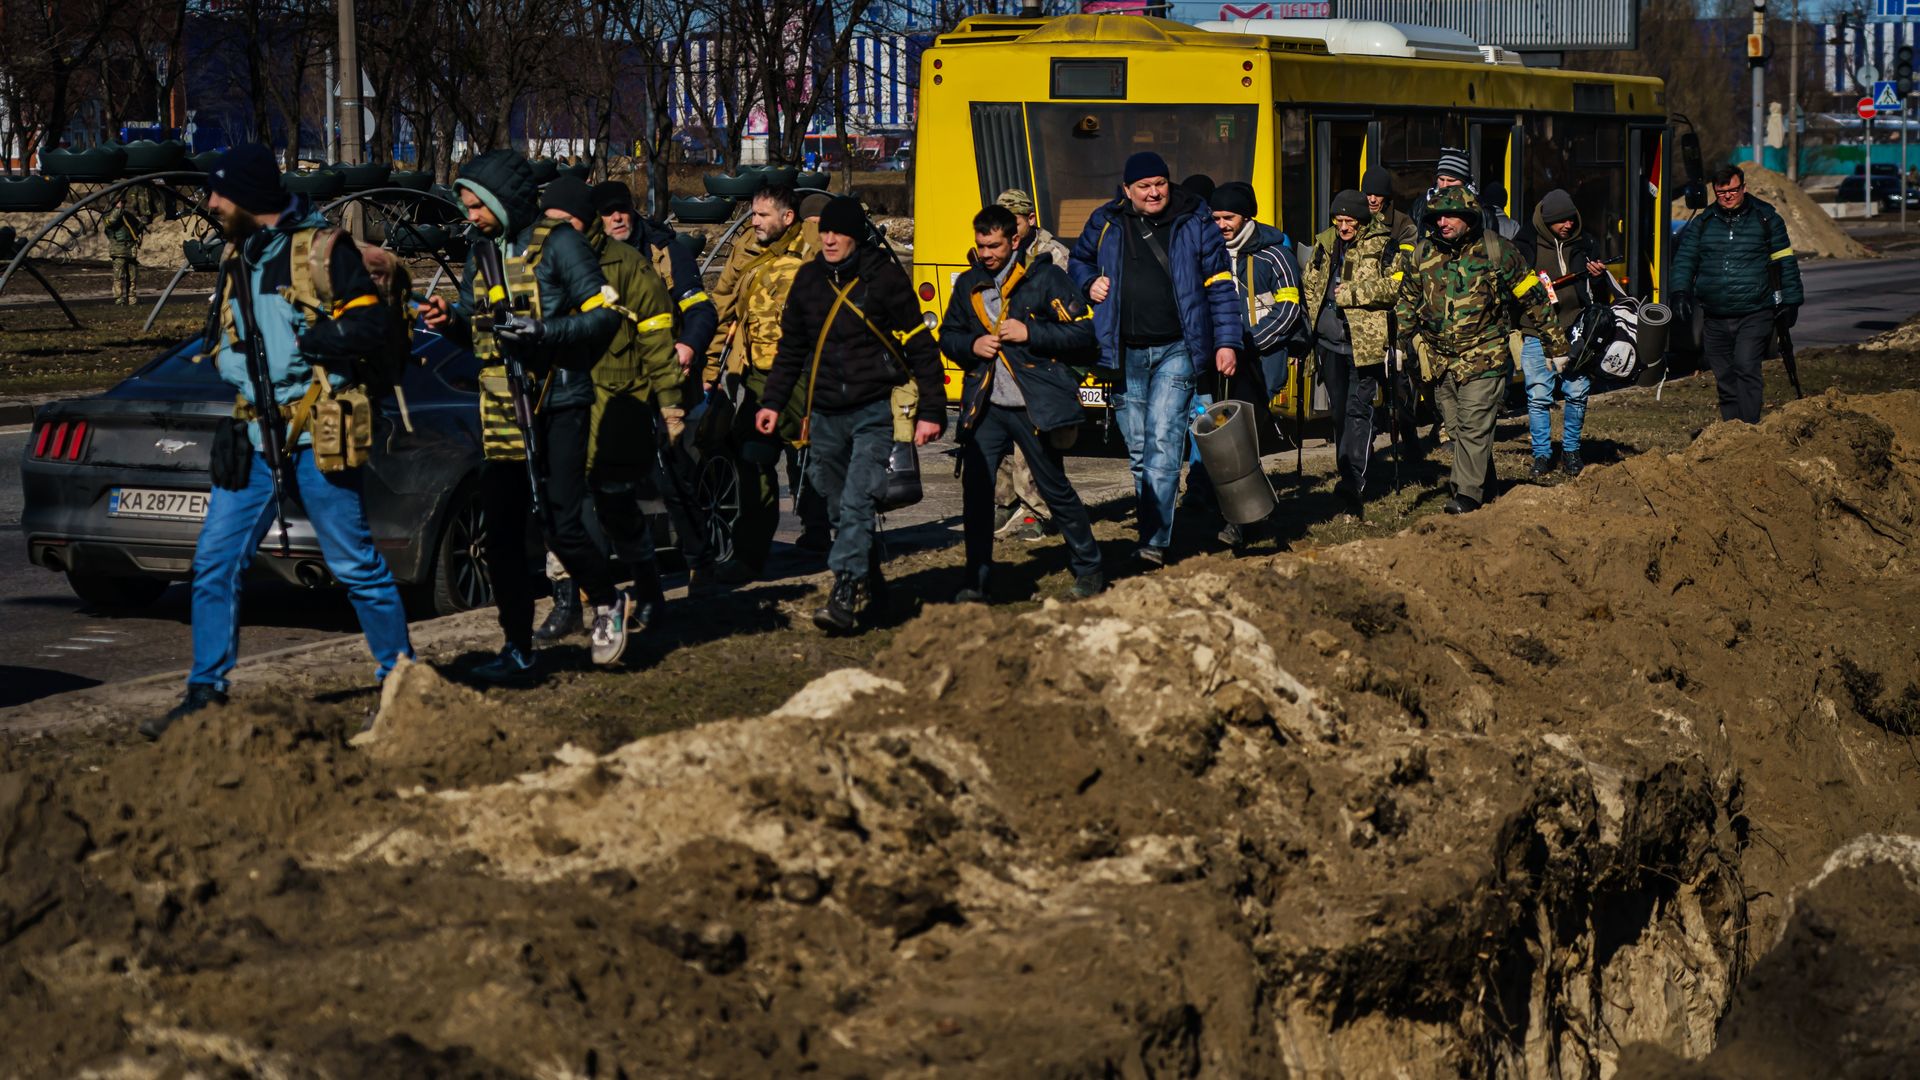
{"type": "Point", "coordinates": [47, 50]}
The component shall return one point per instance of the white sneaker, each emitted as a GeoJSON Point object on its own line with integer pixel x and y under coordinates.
{"type": "Point", "coordinates": [610, 631]}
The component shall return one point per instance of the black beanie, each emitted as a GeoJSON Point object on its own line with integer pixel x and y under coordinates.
{"type": "Point", "coordinates": [844, 215]}
{"type": "Point", "coordinates": [612, 195]}
{"type": "Point", "coordinates": [1200, 186]}
{"type": "Point", "coordinates": [1351, 203]}
{"type": "Point", "coordinates": [1235, 197]}
{"type": "Point", "coordinates": [1557, 206]}
{"type": "Point", "coordinates": [248, 176]}
{"type": "Point", "coordinates": [1378, 181]}
{"type": "Point", "coordinates": [1143, 164]}
{"type": "Point", "coordinates": [569, 194]}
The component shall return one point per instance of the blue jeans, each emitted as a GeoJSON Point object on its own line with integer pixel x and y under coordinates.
{"type": "Point", "coordinates": [1541, 382]}
{"type": "Point", "coordinates": [1153, 403]}
{"type": "Point", "coordinates": [848, 463]}
{"type": "Point", "coordinates": [236, 523]}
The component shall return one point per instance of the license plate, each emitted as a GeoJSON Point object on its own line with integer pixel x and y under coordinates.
{"type": "Point", "coordinates": [1093, 395]}
{"type": "Point", "coordinates": [157, 503]}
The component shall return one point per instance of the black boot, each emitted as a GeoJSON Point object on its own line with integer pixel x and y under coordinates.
{"type": "Point", "coordinates": [564, 620]}
{"type": "Point", "coordinates": [199, 696]}
{"type": "Point", "coordinates": [842, 611]}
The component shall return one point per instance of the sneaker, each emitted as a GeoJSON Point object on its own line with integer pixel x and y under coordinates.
{"type": "Point", "coordinates": [199, 696]}
{"type": "Point", "coordinates": [1542, 465]}
{"type": "Point", "coordinates": [514, 664]}
{"type": "Point", "coordinates": [1461, 504]}
{"type": "Point", "coordinates": [1231, 535]}
{"type": "Point", "coordinates": [1151, 557]}
{"type": "Point", "coordinates": [1005, 520]}
{"type": "Point", "coordinates": [564, 620]}
{"type": "Point", "coordinates": [644, 610]}
{"type": "Point", "coordinates": [840, 614]}
{"type": "Point", "coordinates": [818, 540]}
{"type": "Point", "coordinates": [610, 631]}
{"type": "Point", "coordinates": [734, 572]}
{"type": "Point", "coordinates": [1571, 463]}
{"type": "Point", "coordinates": [1087, 585]}
{"type": "Point", "coordinates": [1035, 529]}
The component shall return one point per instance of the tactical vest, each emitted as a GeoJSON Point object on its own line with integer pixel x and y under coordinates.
{"type": "Point", "coordinates": [500, 438]}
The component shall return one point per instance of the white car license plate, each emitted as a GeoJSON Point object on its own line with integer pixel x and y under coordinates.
{"type": "Point", "coordinates": [157, 503]}
{"type": "Point", "coordinates": [1093, 395]}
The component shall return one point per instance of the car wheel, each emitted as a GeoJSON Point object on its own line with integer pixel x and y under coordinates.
{"type": "Point", "coordinates": [460, 580]}
{"type": "Point", "coordinates": [718, 493]}
{"type": "Point", "coordinates": [115, 592]}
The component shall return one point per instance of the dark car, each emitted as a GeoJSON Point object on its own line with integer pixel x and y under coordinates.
{"type": "Point", "coordinates": [1886, 186]}
{"type": "Point", "coordinates": [116, 484]}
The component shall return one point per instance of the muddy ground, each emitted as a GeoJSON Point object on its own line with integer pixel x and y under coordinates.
{"type": "Point", "coordinates": [1617, 773]}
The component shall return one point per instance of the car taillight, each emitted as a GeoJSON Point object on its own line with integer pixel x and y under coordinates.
{"type": "Point", "coordinates": [40, 444]}
{"type": "Point", "coordinates": [77, 442]}
{"type": "Point", "coordinates": [59, 440]}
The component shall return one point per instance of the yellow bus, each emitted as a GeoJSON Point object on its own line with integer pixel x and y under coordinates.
{"type": "Point", "coordinates": [1299, 108]}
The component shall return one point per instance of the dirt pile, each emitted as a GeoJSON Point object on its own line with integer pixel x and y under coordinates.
{"type": "Point", "coordinates": [1501, 795]}
{"type": "Point", "coordinates": [1902, 338]}
{"type": "Point", "coordinates": [1812, 230]}
{"type": "Point", "coordinates": [159, 247]}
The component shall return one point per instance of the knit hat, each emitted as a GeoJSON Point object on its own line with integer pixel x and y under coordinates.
{"type": "Point", "coordinates": [844, 215]}
{"type": "Point", "coordinates": [248, 176]}
{"type": "Point", "coordinates": [1200, 186]}
{"type": "Point", "coordinates": [610, 196]}
{"type": "Point", "coordinates": [1351, 203]}
{"type": "Point", "coordinates": [1556, 206]}
{"type": "Point", "coordinates": [814, 205]}
{"type": "Point", "coordinates": [1142, 165]}
{"type": "Point", "coordinates": [1016, 200]}
{"type": "Point", "coordinates": [1377, 181]}
{"type": "Point", "coordinates": [1235, 197]}
{"type": "Point", "coordinates": [1453, 162]}
{"type": "Point", "coordinates": [571, 195]}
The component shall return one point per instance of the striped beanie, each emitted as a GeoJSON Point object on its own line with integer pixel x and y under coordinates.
{"type": "Point", "coordinates": [1453, 162]}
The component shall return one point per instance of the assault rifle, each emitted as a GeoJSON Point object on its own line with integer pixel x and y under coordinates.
{"type": "Point", "coordinates": [493, 314]}
{"type": "Point", "coordinates": [266, 408]}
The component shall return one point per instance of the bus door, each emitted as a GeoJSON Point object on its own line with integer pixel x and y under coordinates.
{"type": "Point", "coordinates": [1646, 207]}
{"type": "Point", "coordinates": [1340, 157]}
{"type": "Point", "coordinates": [1491, 146]}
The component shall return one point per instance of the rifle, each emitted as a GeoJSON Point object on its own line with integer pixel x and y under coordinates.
{"type": "Point", "coordinates": [266, 409]}
{"type": "Point", "coordinates": [498, 311]}
{"type": "Point", "coordinates": [1784, 335]}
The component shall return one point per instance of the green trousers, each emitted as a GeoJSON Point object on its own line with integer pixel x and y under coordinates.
{"type": "Point", "coordinates": [1469, 409]}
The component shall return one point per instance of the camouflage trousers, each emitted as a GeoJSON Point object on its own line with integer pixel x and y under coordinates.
{"type": "Point", "coordinates": [1013, 487]}
{"type": "Point", "coordinates": [123, 281]}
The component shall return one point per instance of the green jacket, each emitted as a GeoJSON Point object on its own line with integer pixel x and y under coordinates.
{"type": "Point", "coordinates": [1366, 290]}
{"type": "Point", "coordinates": [641, 353]}
{"type": "Point", "coordinates": [1729, 261]}
{"type": "Point", "coordinates": [122, 230]}
{"type": "Point", "coordinates": [1466, 297]}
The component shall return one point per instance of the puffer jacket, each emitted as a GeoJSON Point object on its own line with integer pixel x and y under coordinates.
{"type": "Point", "coordinates": [1557, 258]}
{"type": "Point", "coordinates": [1267, 281]}
{"type": "Point", "coordinates": [578, 324]}
{"type": "Point", "coordinates": [1059, 324]}
{"type": "Point", "coordinates": [1210, 314]}
{"type": "Point", "coordinates": [1728, 260]}
{"type": "Point", "coordinates": [856, 367]}
{"type": "Point", "coordinates": [1464, 297]}
{"type": "Point", "coordinates": [1366, 290]}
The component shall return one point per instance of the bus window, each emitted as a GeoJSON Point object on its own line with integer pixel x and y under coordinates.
{"type": "Point", "coordinates": [1000, 148]}
{"type": "Point", "coordinates": [1079, 150]}
{"type": "Point", "coordinates": [1410, 151]}
{"type": "Point", "coordinates": [1490, 140]}
{"type": "Point", "coordinates": [1342, 153]}
{"type": "Point", "coordinates": [1586, 157]}
{"type": "Point", "coordinates": [1296, 177]}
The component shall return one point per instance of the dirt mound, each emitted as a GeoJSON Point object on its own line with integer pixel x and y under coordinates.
{"type": "Point", "coordinates": [1812, 230]}
{"type": "Point", "coordinates": [1500, 795]}
{"type": "Point", "coordinates": [159, 247]}
{"type": "Point", "coordinates": [1902, 338]}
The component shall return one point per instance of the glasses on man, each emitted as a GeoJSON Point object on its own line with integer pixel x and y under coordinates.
{"type": "Point", "coordinates": [1729, 191]}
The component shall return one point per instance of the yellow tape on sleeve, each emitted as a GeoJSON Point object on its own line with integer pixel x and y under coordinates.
{"type": "Point", "coordinates": [1526, 285]}
{"type": "Point", "coordinates": [693, 298]}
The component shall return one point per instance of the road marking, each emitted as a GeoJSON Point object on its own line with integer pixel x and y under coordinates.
{"type": "Point", "coordinates": [17, 429]}
{"type": "Point", "coordinates": [95, 640]}
{"type": "Point", "coordinates": [72, 648]}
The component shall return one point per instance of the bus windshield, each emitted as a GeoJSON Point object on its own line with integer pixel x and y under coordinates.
{"type": "Point", "coordinates": [1079, 149]}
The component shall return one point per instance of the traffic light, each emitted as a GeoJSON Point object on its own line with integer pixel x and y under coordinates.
{"type": "Point", "coordinates": [1903, 70]}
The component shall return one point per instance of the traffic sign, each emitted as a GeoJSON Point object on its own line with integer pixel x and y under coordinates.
{"type": "Point", "coordinates": [1866, 109]}
{"type": "Point", "coordinates": [1885, 97]}
{"type": "Point", "coordinates": [1866, 75]}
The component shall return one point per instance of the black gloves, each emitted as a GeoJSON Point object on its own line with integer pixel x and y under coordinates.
{"type": "Point", "coordinates": [1786, 315]}
{"type": "Point", "coordinates": [520, 330]}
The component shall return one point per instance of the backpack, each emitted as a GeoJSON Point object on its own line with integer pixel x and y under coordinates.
{"type": "Point", "coordinates": [310, 263]}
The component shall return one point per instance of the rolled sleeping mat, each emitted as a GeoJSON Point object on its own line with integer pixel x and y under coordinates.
{"type": "Point", "coordinates": [1229, 446]}
{"type": "Point", "coordinates": [1650, 340]}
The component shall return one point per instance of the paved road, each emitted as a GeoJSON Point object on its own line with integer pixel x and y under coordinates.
{"type": "Point", "coordinates": [53, 643]}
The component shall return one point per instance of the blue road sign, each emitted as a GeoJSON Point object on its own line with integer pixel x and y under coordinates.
{"type": "Point", "coordinates": [1886, 97]}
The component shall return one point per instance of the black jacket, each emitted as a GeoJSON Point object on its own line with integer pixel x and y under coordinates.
{"type": "Point", "coordinates": [856, 368]}
{"type": "Point", "coordinates": [1059, 324]}
{"type": "Point", "coordinates": [1730, 261]}
{"type": "Point", "coordinates": [1557, 258]}
{"type": "Point", "coordinates": [698, 318]}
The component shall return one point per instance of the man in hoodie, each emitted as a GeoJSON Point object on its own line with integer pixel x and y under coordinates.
{"type": "Point", "coordinates": [1013, 316]}
{"type": "Point", "coordinates": [1555, 246]}
{"type": "Point", "coordinates": [1348, 292]}
{"type": "Point", "coordinates": [1464, 290]}
{"type": "Point", "coordinates": [559, 342]}
{"type": "Point", "coordinates": [262, 221]}
{"type": "Point", "coordinates": [1165, 310]}
{"type": "Point", "coordinates": [850, 334]}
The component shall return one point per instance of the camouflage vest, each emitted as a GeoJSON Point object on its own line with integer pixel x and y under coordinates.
{"type": "Point", "coordinates": [501, 438]}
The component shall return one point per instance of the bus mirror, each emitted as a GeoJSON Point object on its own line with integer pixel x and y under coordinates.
{"type": "Point", "coordinates": [1087, 125]}
{"type": "Point", "coordinates": [1695, 194]}
{"type": "Point", "coordinates": [1690, 158]}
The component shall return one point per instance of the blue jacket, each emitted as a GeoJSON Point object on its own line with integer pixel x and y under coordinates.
{"type": "Point", "coordinates": [1211, 316]}
{"type": "Point", "coordinates": [1266, 279]}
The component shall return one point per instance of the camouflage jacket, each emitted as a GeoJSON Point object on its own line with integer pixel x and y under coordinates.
{"type": "Point", "coordinates": [122, 229]}
{"type": "Point", "coordinates": [1464, 298]}
{"type": "Point", "coordinates": [750, 297]}
{"type": "Point", "coordinates": [1044, 245]}
{"type": "Point", "coordinates": [1366, 290]}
